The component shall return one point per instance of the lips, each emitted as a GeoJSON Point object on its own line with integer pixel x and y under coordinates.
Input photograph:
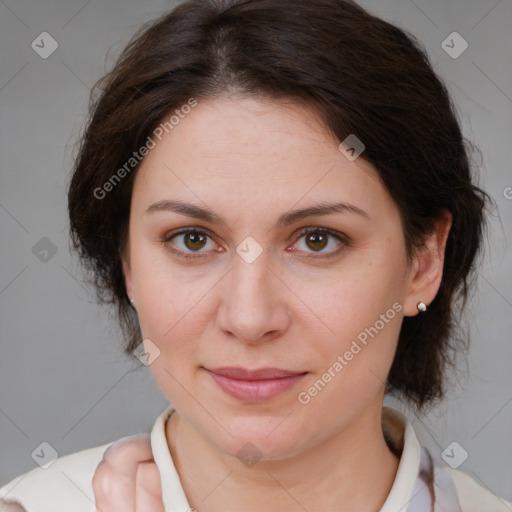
{"type": "Point", "coordinates": [258, 374]}
{"type": "Point", "coordinates": [257, 385]}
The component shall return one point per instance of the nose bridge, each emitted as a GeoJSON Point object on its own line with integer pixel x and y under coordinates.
{"type": "Point", "coordinates": [253, 304]}
{"type": "Point", "coordinates": [251, 271]}
{"type": "Point", "coordinates": [251, 282]}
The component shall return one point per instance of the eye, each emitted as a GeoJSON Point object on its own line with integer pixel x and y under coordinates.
{"type": "Point", "coordinates": [317, 239]}
{"type": "Point", "coordinates": [192, 241]}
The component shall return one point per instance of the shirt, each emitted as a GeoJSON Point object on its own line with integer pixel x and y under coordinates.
{"type": "Point", "coordinates": [66, 486]}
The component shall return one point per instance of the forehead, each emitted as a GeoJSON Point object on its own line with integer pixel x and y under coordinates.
{"type": "Point", "coordinates": [253, 150]}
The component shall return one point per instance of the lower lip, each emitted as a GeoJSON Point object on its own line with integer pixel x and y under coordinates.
{"type": "Point", "coordinates": [255, 390]}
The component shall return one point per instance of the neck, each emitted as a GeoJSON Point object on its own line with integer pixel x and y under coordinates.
{"type": "Point", "coordinates": [353, 470]}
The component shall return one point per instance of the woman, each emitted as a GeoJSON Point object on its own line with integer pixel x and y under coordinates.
{"type": "Point", "coordinates": [277, 198]}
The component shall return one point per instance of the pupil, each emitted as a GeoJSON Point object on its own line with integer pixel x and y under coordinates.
{"type": "Point", "coordinates": [316, 238]}
{"type": "Point", "coordinates": [196, 239]}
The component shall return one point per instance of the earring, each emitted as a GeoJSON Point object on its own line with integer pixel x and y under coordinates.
{"type": "Point", "coordinates": [422, 306]}
{"type": "Point", "coordinates": [132, 302]}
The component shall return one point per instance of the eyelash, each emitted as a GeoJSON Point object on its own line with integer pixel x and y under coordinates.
{"type": "Point", "coordinates": [305, 231]}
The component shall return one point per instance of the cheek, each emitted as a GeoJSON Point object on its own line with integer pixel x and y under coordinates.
{"type": "Point", "coordinates": [364, 294]}
{"type": "Point", "coordinates": [349, 370]}
{"type": "Point", "coordinates": [361, 313]}
{"type": "Point", "coordinates": [168, 299]}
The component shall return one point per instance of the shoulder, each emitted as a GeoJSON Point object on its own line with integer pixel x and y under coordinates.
{"type": "Point", "coordinates": [475, 498]}
{"type": "Point", "coordinates": [65, 485]}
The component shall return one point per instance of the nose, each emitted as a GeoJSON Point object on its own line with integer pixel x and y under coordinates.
{"type": "Point", "coordinates": [254, 308]}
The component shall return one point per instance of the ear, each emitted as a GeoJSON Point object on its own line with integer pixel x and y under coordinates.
{"type": "Point", "coordinates": [426, 270]}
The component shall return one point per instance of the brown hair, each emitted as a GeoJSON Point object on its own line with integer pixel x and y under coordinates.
{"type": "Point", "coordinates": [363, 75]}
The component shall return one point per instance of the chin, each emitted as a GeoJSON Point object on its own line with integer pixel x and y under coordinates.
{"type": "Point", "coordinates": [259, 440]}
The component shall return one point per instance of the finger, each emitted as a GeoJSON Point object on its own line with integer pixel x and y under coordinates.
{"type": "Point", "coordinates": [115, 478]}
{"type": "Point", "coordinates": [113, 490]}
{"type": "Point", "coordinates": [11, 506]}
{"type": "Point", "coordinates": [148, 493]}
{"type": "Point", "coordinates": [126, 453]}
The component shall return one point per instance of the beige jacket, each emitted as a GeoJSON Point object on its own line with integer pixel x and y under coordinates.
{"type": "Point", "coordinates": [65, 484]}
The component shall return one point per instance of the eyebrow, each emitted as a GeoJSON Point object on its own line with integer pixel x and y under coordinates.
{"type": "Point", "coordinates": [197, 212]}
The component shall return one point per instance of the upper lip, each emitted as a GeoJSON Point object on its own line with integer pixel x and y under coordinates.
{"type": "Point", "coordinates": [257, 374]}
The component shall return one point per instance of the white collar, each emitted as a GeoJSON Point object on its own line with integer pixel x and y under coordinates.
{"type": "Point", "coordinates": [397, 428]}
{"type": "Point", "coordinates": [400, 432]}
{"type": "Point", "coordinates": [172, 492]}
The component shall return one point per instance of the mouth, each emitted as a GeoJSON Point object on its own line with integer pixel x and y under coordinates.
{"type": "Point", "coordinates": [257, 385]}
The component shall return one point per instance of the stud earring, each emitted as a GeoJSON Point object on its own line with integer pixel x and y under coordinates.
{"type": "Point", "coordinates": [132, 302]}
{"type": "Point", "coordinates": [422, 306]}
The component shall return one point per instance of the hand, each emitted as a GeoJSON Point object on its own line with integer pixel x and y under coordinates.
{"type": "Point", "coordinates": [11, 506]}
{"type": "Point", "coordinates": [127, 479]}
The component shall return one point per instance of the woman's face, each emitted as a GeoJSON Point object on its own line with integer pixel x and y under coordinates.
{"type": "Point", "coordinates": [246, 287]}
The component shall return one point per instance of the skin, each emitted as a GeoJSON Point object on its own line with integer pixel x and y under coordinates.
{"type": "Point", "coordinates": [127, 479]}
{"type": "Point", "coordinates": [11, 506]}
{"type": "Point", "coordinates": [250, 160]}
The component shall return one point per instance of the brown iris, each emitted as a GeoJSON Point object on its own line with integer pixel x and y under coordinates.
{"type": "Point", "coordinates": [197, 240]}
{"type": "Point", "coordinates": [319, 239]}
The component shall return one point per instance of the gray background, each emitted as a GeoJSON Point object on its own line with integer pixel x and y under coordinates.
{"type": "Point", "coordinates": [63, 378]}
